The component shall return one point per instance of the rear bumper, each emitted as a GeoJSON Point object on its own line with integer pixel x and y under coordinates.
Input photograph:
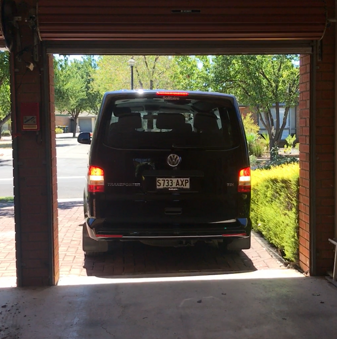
{"type": "Point", "coordinates": [103, 230]}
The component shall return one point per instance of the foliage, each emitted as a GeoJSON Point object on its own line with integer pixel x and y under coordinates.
{"type": "Point", "coordinates": [289, 143]}
{"type": "Point", "coordinates": [256, 145]}
{"type": "Point", "coordinates": [150, 71]}
{"type": "Point", "coordinates": [262, 82]}
{"type": "Point", "coordinates": [274, 208]}
{"type": "Point", "coordinates": [251, 127]}
{"type": "Point", "coordinates": [192, 73]}
{"type": "Point", "coordinates": [74, 92]}
{"type": "Point", "coordinates": [4, 200]}
{"type": "Point", "coordinates": [58, 130]}
{"type": "Point", "coordinates": [5, 103]}
{"type": "Point", "coordinates": [6, 133]}
{"type": "Point", "coordinates": [290, 140]}
{"type": "Point", "coordinates": [253, 160]}
{"type": "Point", "coordinates": [266, 138]}
{"type": "Point", "coordinates": [277, 160]}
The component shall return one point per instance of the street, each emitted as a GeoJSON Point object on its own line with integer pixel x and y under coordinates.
{"type": "Point", "coordinates": [71, 168]}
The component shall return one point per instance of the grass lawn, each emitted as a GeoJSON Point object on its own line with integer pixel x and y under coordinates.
{"type": "Point", "coordinates": [6, 199]}
{"type": "Point", "coordinates": [5, 145]}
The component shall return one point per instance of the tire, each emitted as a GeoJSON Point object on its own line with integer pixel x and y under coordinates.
{"type": "Point", "coordinates": [235, 244]}
{"type": "Point", "coordinates": [92, 247]}
{"type": "Point", "coordinates": [85, 206]}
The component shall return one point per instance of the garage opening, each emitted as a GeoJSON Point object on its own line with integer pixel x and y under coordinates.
{"type": "Point", "coordinates": [132, 259]}
{"type": "Point", "coordinates": [72, 159]}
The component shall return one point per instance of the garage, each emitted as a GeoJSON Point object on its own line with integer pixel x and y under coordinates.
{"type": "Point", "coordinates": [35, 30]}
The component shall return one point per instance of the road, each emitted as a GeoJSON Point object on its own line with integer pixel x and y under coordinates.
{"type": "Point", "coordinates": [71, 168]}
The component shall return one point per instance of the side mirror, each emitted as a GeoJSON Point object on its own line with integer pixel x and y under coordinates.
{"type": "Point", "coordinates": [84, 138]}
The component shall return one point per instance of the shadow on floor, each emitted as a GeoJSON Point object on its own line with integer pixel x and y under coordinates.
{"type": "Point", "coordinates": [6, 210]}
{"type": "Point", "coordinates": [133, 259]}
{"type": "Point", "coordinates": [70, 204]}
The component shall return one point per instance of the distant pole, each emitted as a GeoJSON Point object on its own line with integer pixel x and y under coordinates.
{"type": "Point", "coordinates": [131, 63]}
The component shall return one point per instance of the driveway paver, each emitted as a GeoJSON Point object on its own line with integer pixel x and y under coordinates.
{"type": "Point", "coordinates": [131, 259]}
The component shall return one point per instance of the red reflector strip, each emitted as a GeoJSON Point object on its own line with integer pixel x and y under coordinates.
{"type": "Point", "coordinates": [235, 235]}
{"type": "Point", "coordinates": [244, 189]}
{"type": "Point", "coordinates": [108, 236]}
{"type": "Point", "coordinates": [95, 188]}
{"type": "Point", "coordinates": [174, 94]}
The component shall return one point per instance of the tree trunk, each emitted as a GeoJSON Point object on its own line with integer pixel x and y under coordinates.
{"type": "Point", "coordinates": [75, 119]}
{"type": "Point", "coordinates": [273, 147]}
{"type": "Point", "coordinates": [3, 121]}
{"type": "Point", "coordinates": [75, 128]}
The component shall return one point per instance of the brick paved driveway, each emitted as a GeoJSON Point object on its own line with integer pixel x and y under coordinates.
{"type": "Point", "coordinates": [130, 259]}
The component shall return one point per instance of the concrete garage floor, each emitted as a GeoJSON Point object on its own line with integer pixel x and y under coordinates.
{"type": "Point", "coordinates": [261, 304]}
{"type": "Point", "coordinates": [147, 292]}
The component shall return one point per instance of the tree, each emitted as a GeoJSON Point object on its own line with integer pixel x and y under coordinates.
{"type": "Point", "coordinates": [150, 71]}
{"type": "Point", "coordinates": [193, 73]}
{"type": "Point", "coordinates": [5, 102]}
{"type": "Point", "coordinates": [262, 82]}
{"type": "Point", "coordinates": [73, 87]}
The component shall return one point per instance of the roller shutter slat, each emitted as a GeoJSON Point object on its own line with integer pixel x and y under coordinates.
{"type": "Point", "coordinates": [130, 19]}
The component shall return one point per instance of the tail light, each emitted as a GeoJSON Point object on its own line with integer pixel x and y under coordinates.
{"type": "Point", "coordinates": [244, 180]}
{"type": "Point", "coordinates": [95, 179]}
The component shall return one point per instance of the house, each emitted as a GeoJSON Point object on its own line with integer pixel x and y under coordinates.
{"type": "Point", "coordinates": [291, 126]}
{"type": "Point", "coordinates": [85, 122]}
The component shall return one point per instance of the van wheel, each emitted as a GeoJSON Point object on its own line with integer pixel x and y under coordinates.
{"type": "Point", "coordinates": [235, 244]}
{"type": "Point", "coordinates": [85, 206]}
{"type": "Point", "coordinates": [92, 247]}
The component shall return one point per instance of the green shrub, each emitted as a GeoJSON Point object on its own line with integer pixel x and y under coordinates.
{"type": "Point", "coordinates": [290, 140]}
{"type": "Point", "coordinates": [290, 143]}
{"type": "Point", "coordinates": [6, 133]}
{"type": "Point", "coordinates": [256, 145]}
{"type": "Point", "coordinates": [278, 160]}
{"type": "Point", "coordinates": [251, 127]}
{"type": "Point", "coordinates": [274, 208]}
{"type": "Point", "coordinates": [58, 130]}
{"type": "Point", "coordinates": [252, 160]}
{"type": "Point", "coordinates": [266, 139]}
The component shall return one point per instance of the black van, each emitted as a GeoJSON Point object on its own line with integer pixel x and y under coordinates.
{"type": "Point", "coordinates": [167, 167]}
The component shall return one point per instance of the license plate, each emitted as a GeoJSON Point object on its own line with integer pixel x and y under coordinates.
{"type": "Point", "coordinates": [173, 183]}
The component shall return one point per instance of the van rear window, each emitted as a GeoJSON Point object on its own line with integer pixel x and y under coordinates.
{"type": "Point", "coordinates": [156, 123]}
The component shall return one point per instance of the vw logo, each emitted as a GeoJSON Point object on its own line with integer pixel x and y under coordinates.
{"type": "Point", "coordinates": [173, 160]}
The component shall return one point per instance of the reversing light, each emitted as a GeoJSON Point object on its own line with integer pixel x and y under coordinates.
{"type": "Point", "coordinates": [173, 94]}
{"type": "Point", "coordinates": [95, 179]}
{"type": "Point", "coordinates": [244, 180]}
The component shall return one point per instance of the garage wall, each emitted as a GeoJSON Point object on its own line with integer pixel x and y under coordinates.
{"type": "Point", "coordinates": [317, 158]}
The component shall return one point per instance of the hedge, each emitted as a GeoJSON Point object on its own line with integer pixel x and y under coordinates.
{"type": "Point", "coordinates": [274, 207]}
